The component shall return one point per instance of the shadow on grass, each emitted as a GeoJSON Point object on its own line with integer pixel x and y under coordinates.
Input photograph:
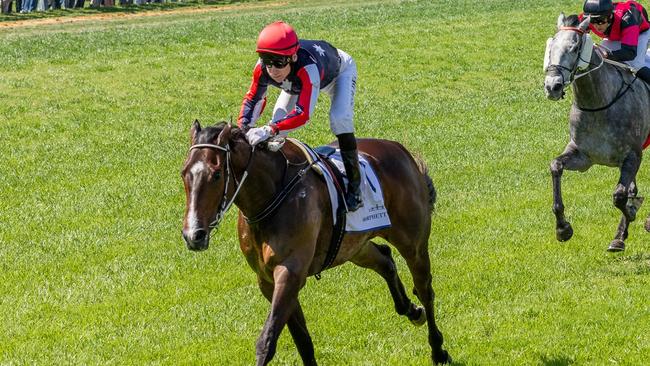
{"type": "Point", "coordinates": [556, 361]}
{"type": "Point", "coordinates": [117, 9]}
{"type": "Point", "coordinates": [625, 265]}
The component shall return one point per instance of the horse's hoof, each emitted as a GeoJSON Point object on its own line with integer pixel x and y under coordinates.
{"type": "Point", "coordinates": [442, 358]}
{"type": "Point", "coordinates": [617, 245]}
{"type": "Point", "coordinates": [563, 232]}
{"type": "Point", "coordinates": [420, 318]}
{"type": "Point", "coordinates": [647, 224]}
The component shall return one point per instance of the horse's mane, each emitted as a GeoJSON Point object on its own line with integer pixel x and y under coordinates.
{"type": "Point", "coordinates": [209, 134]}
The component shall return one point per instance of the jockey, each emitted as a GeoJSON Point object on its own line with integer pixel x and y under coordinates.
{"type": "Point", "coordinates": [624, 29]}
{"type": "Point", "coordinates": [303, 68]}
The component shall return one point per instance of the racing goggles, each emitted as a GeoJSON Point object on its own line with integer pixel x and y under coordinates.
{"type": "Point", "coordinates": [276, 61]}
{"type": "Point", "coordinates": [602, 19]}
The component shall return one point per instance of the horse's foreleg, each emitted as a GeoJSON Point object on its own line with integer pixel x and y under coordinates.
{"type": "Point", "coordinates": [378, 258]}
{"type": "Point", "coordinates": [571, 159]}
{"type": "Point", "coordinates": [624, 198]}
{"type": "Point", "coordinates": [300, 334]}
{"type": "Point", "coordinates": [297, 327]}
{"type": "Point", "coordinates": [284, 301]}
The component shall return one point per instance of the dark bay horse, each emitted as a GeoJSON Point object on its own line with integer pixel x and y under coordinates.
{"type": "Point", "coordinates": [292, 242]}
{"type": "Point", "coordinates": [609, 120]}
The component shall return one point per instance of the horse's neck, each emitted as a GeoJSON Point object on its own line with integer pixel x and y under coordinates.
{"type": "Point", "coordinates": [598, 87]}
{"type": "Point", "coordinates": [265, 175]}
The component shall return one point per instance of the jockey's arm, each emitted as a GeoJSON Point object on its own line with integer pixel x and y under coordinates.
{"type": "Point", "coordinates": [254, 100]}
{"type": "Point", "coordinates": [310, 80]}
{"type": "Point", "coordinates": [630, 30]}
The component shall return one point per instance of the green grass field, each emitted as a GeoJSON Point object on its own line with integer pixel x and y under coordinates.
{"type": "Point", "coordinates": [94, 128]}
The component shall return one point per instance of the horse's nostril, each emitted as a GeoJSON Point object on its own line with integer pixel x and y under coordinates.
{"type": "Point", "coordinates": [557, 87]}
{"type": "Point", "coordinates": [199, 235]}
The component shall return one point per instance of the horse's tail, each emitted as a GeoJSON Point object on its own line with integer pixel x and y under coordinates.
{"type": "Point", "coordinates": [422, 167]}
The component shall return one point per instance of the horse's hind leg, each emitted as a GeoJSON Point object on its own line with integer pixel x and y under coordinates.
{"type": "Point", "coordinates": [420, 267]}
{"type": "Point", "coordinates": [625, 198]}
{"type": "Point", "coordinates": [571, 159]}
{"type": "Point", "coordinates": [378, 258]}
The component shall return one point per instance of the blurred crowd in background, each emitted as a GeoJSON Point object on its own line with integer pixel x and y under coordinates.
{"type": "Point", "coordinates": [28, 6]}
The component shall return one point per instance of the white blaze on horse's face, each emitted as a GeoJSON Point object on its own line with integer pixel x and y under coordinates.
{"type": "Point", "coordinates": [198, 169]}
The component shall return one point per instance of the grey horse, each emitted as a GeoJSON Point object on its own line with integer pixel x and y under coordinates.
{"type": "Point", "coordinates": [609, 120]}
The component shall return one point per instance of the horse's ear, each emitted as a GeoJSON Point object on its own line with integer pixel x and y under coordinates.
{"type": "Point", "coordinates": [585, 24]}
{"type": "Point", "coordinates": [560, 21]}
{"type": "Point", "coordinates": [194, 131]}
{"type": "Point", "coordinates": [224, 136]}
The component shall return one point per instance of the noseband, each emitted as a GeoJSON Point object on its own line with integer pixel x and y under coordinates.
{"type": "Point", "coordinates": [225, 206]}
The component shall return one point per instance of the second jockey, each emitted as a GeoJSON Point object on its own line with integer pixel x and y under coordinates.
{"type": "Point", "coordinates": [624, 29]}
{"type": "Point", "coordinates": [302, 69]}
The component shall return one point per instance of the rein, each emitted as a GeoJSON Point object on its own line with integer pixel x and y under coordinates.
{"type": "Point", "coordinates": [280, 196]}
{"type": "Point", "coordinates": [225, 203]}
{"type": "Point", "coordinates": [225, 206]}
{"type": "Point", "coordinates": [621, 91]}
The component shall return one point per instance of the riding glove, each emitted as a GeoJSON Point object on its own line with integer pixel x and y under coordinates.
{"type": "Point", "coordinates": [258, 134]}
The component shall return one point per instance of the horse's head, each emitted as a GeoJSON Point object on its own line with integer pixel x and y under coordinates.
{"type": "Point", "coordinates": [569, 50]}
{"type": "Point", "coordinates": [205, 176]}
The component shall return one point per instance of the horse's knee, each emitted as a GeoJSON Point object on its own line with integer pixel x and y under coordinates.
{"type": "Point", "coordinates": [556, 167]}
{"type": "Point", "coordinates": [620, 196]}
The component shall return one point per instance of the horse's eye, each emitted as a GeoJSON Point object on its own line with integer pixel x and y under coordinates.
{"type": "Point", "coordinates": [216, 175]}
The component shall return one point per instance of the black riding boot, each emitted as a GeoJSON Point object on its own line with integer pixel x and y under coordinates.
{"type": "Point", "coordinates": [348, 146]}
{"type": "Point", "coordinates": [644, 74]}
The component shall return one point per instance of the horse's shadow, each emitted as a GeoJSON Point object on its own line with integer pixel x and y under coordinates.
{"type": "Point", "coordinates": [633, 264]}
{"type": "Point", "coordinates": [556, 361]}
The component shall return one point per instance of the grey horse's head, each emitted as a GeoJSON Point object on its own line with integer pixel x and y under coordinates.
{"type": "Point", "coordinates": [563, 54]}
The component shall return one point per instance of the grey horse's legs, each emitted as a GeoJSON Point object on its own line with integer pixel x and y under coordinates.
{"type": "Point", "coordinates": [625, 192]}
{"type": "Point", "coordinates": [571, 159]}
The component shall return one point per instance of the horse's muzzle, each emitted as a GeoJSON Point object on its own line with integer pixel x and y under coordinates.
{"type": "Point", "coordinates": [196, 240]}
{"type": "Point", "coordinates": [553, 88]}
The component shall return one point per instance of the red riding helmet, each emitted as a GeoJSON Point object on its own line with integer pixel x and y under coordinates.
{"type": "Point", "coordinates": [278, 38]}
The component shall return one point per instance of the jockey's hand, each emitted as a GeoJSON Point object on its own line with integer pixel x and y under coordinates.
{"type": "Point", "coordinates": [258, 134]}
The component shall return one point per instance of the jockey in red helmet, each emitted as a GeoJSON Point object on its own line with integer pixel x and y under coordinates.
{"type": "Point", "coordinates": [624, 29]}
{"type": "Point", "coordinates": [302, 69]}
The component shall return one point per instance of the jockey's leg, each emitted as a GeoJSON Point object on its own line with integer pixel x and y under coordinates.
{"type": "Point", "coordinates": [639, 61]}
{"type": "Point", "coordinates": [341, 91]}
{"type": "Point", "coordinates": [350, 157]}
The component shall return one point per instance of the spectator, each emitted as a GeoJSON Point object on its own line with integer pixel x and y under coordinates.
{"type": "Point", "coordinates": [28, 6]}
{"type": "Point", "coordinates": [6, 6]}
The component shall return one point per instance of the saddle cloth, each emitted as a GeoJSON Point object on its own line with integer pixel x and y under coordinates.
{"type": "Point", "coordinates": [373, 215]}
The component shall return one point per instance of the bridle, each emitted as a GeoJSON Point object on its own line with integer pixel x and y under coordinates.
{"type": "Point", "coordinates": [225, 204]}
{"type": "Point", "coordinates": [583, 62]}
